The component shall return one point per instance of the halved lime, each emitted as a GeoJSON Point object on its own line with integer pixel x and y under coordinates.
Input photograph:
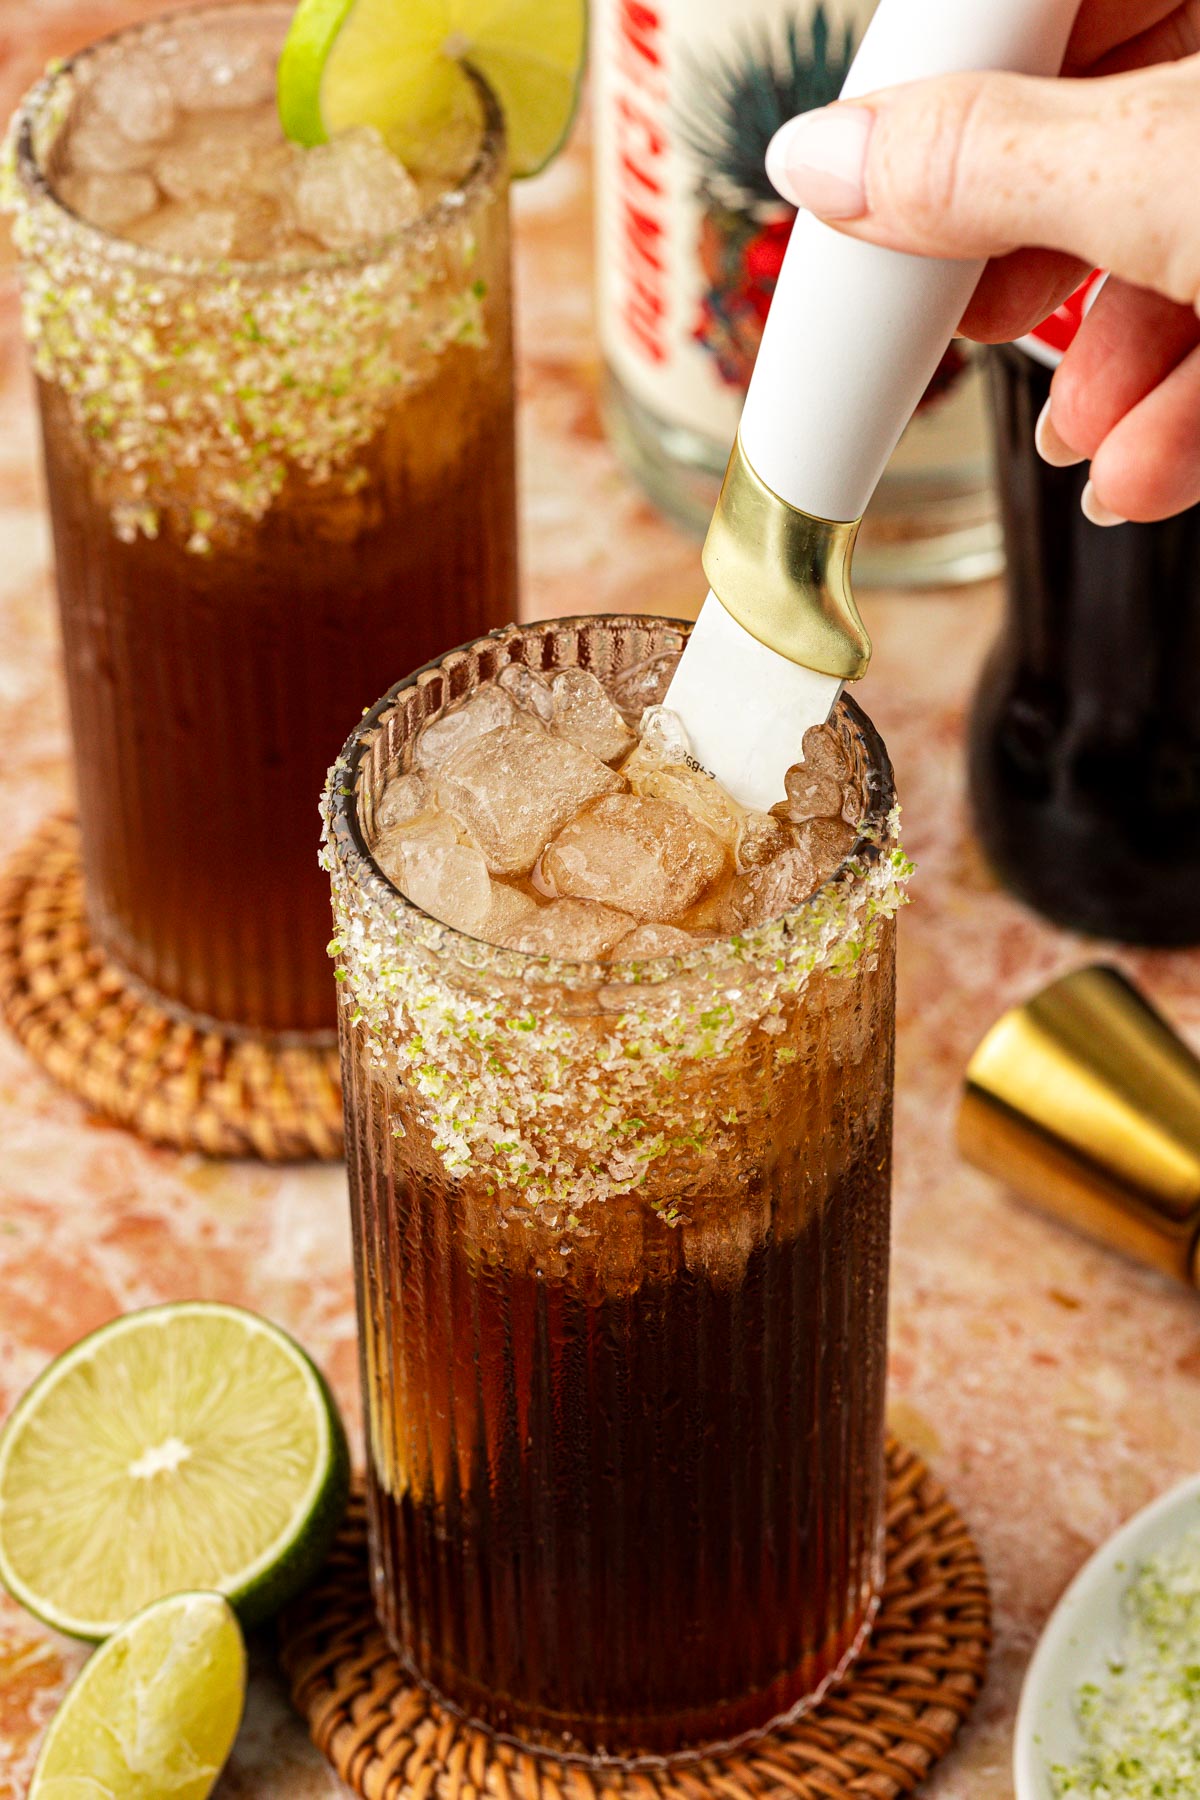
{"type": "Point", "coordinates": [155, 1711]}
{"type": "Point", "coordinates": [398, 65]}
{"type": "Point", "coordinates": [185, 1446]}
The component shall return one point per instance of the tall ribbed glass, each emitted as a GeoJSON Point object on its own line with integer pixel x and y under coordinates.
{"type": "Point", "coordinates": [268, 482]}
{"type": "Point", "coordinates": [621, 1239]}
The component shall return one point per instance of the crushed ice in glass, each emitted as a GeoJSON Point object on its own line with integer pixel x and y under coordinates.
{"type": "Point", "coordinates": [652, 858]}
{"type": "Point", "coordinates": [177, 146]}
{"type": "Point", "coordinates": [558, 816]}
{"type": "Point", "coordinates": [516, 787]}
{"type": "Point", "coordinates": [352, 190]}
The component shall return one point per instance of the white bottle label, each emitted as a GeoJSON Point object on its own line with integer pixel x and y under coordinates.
{"type": "Point", "coordinates": [689, 233]}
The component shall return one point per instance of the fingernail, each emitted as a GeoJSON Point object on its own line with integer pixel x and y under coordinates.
{"type": "Point", "coordinates": [817, 160]}
{"type": "Point", "coordinates": [1095, 509]}
{"type": "Point", "coordinates": [1052, 448]}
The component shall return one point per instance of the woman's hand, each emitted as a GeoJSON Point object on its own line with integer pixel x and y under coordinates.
{"type": "Point", "coordinates": [1050, 179]}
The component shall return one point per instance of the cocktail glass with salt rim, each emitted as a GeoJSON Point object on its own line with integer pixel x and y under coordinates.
{"type": "Point", "coordinates": [621, 1242]}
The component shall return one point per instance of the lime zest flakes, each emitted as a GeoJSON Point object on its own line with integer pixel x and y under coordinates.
{"type": "Point", "coordinates": [480, 1040]}
{"type": "Point", "coordinates": [1141, 1724]}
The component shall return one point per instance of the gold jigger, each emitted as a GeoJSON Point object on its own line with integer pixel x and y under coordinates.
{"type": "Point", "coordinates": [1087, 1104]}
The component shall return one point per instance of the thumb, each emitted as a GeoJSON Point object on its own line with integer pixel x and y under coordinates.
{"type": "Point", "coordinates": [979, 165]}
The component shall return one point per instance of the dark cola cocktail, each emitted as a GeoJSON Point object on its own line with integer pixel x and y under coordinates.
{"type": "Point", "coordinates": [277, 410]}
{"type": "Point", "coordinates": [618, 1070]}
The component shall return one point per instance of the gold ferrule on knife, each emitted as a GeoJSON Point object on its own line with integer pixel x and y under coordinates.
{"type": "Point", "coordinates": [1087, 1103]}
{"type": "Point", "coordinates": [784, 575]}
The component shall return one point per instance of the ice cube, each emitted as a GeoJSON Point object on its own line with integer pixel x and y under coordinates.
{"type": "Point", "coordinates": [704, 798]}
{"type": "Point", "coordinates": [644, 684]}
{"type": "Point", "coordinates": [393, 840]}
{"type": "Point", "coordinates": [657, 940]}
{"type": "Point", "coordinates": [263, 231]}
{"type": "Point", "coordinates": [404, 798]}
{"type": "Point", "coordinates": [663, 734]}
{"type": "Point", "coordinates": [761, 837]}
{"type": "Point", "coordinates": [510, 909]}
{"type": "Point", "coordinates": [96, 147]}
{"type": "Point", "coordinates": [721, 1240]}
{"type": "Point", "coordinates": [817, 848]}
{"type": "Point", "coordinates": [132, 90]}
{"type": "Point", "coordinates": [451, 882]}
{"type": "Point", "coordinates": [216, 157]}
{"type": "Point", "coordinates": [662, 768]}
{"type": "Point", "coordinates": [528, 690]}
{"type": "Point", "coordinates": [584, 713]}
{"type": "Point", "coordinates": [513, 788]}
{"type": "Point", "coordinates": [109, 201]}
{"type": "Point", "coordinates": [203, 233]}
{"type": "Point", "coordinates": [822, 749]}
{"type": "Point", "coordinates": [827, 841]}
{"type": "Point", "coordinates": [190, 172]}
{"type": "Point", "coordinates": [574, 930]}
{"type": "Point", "coordinates": [650, 858]}
{"type": "Point", "coordinates": [352, 190]}
{"type": "Point", "coordinates": [274, 173]}
{"type": "Point", "coordinates": [444, 877]}
{"type": "Point", "coordinates": [221, 72]}
{"type": "Point", "coordinates": [811, 794]}
{"type": "Point", "coordinates": [775, 888]}
{"type": "Point", "coordinates": [661, 746]}
{"type": "Point", "coordinates": [712, 915]}
{"type": "Point", "coordinates": [437, 742]}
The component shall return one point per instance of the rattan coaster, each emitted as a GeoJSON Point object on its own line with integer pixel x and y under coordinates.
{"type": "Point", "coordinates": [104, 1039]}
{"type": "Point", "coordinates": [875, 1736]}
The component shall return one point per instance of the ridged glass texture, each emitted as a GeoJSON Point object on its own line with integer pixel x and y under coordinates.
{"type": "Point", "coordinates": [626, 1473]}
{"type": "Point", "coordinates": [209, 690]}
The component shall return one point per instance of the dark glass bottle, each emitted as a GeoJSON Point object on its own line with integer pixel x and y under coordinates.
{"type": "Point", "coordinates": [1085, 734]}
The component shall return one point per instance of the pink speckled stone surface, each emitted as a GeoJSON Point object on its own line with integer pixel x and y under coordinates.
{"type": "Point", "coordinates": [1053, 1387]}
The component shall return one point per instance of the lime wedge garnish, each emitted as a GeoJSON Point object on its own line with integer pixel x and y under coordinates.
{"type": "Point", "coordinates": [398, 65]}
{"type": "Point", "coordinates": [154, 1713]}
{"type": "Point", "coordinates": [183, 1447]}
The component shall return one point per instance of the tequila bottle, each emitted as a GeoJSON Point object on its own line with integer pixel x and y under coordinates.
{"type": "Point", "coordinates": [690, 238]}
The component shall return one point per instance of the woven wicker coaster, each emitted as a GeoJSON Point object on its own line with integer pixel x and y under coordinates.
{"type": "Point", "coordinates": [104, 1039]}
{"type": "Point", "coordinates": [874, 1737]}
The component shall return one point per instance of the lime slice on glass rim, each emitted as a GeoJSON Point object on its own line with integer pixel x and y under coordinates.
{"type": "Point", "coordinates": [187, 1446]}
{"type": "Point", "coordinates": [399, 65]}
{"type": "Point", "coordinates": [154, 1712]}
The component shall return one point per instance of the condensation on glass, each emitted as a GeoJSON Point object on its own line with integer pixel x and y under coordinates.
{"type": "Point", "coordinates": [268, 481]}
{"type": "Point", "coordinates": [621, 1243]}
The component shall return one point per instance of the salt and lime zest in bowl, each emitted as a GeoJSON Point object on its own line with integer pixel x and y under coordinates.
{"type": "Point", "coordinates": [1110, 1708]}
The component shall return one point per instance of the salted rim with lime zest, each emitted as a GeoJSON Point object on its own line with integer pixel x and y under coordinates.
{"type": "Point", "coordinates": [402, 66]}
{"type": "Point", "coordinates": [186, 1446]}
{"type": "Point", "coordinates": [154, 1712]}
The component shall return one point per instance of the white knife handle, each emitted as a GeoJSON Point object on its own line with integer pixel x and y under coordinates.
{"type": "Point", "coordinates": [855, 332]}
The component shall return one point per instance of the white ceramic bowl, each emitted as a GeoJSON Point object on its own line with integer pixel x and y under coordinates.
{"type": "Point", "coordinates": [1085, 1628]}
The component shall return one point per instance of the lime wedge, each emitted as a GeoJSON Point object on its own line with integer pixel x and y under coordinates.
{"type": "Point", "coordinates": [155, 1711]}
{"type": "Point", "coordinates": [182, 1447]}
{"type": "Point", "coordinates": [398, 65]}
